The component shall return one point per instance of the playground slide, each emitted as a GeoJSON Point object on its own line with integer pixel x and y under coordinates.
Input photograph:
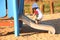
{"type": "Point", "coordinates": [29, 22]}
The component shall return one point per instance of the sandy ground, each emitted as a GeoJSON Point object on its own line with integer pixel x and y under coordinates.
{"type": "Point", "coordinates": [28, 33]}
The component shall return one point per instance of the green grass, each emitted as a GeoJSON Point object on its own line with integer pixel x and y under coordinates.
{"type": "Point", "coordinates": [26, 5]}
{"type": "Point", "coordinates": [57, 4]}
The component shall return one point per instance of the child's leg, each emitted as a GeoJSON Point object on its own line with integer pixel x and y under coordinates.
{"type": "Point", "coordinates": [38, 21]}
{"type": "Point", "coordinates": [39, 18]}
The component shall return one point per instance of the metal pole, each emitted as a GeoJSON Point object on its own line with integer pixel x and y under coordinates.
{"type": "Point", "coordinates": [21, 8]}
{"type": "Point", "coordinates": [16, 22]}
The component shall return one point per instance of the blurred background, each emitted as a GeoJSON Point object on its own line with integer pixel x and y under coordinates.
{"type": "Point", "coordinates": [46, 6]}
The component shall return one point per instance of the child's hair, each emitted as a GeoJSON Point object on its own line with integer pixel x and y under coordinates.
{"type": "Point", "coordinates": [34, 9]}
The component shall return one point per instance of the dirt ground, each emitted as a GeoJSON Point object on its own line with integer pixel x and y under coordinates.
{"type": "Point", "coordinates": [28, 33]}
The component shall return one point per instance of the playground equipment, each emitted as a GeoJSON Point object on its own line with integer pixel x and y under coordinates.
{"type": "Point", "coordinates": [15, 10]}
{"type": "Point", "coordinates": [29, 22]}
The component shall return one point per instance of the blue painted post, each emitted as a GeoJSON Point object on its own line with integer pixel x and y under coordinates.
{"type": "Point", "coordinates": [16, 22]}
{"type": "Point", "coordinates": [21, 10]}
{"type": "Point", "coordinates": [2, 8]}
{"type": "Point", "coordinates": [14, 10]}
{"type": "Point", "coordinates": [10, 8]}
{"type": "Point", "coordinates": [21, 7]}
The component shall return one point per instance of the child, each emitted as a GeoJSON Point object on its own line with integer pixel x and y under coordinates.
{"type": "Point", "coordinates": [37, 13]}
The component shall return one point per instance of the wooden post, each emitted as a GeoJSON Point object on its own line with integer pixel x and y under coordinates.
{"type": "Point", "coordinates": [51, 7]}
{"type": "Point", "coordinates": [31, 9]}
{"type": "Point", "coordinates": [42, 6]}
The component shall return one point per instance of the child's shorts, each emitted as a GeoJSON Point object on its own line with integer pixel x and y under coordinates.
{"type": "Point", "coordinates": [37, 18]}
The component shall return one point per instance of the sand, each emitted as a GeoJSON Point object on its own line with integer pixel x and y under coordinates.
{"type": "Point", "coordinates": [28, 33]}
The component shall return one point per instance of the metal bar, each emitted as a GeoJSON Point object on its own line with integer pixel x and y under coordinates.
{"type": "Point", "coordinates": [21, 11]}
{"type": "Point", "coordinates": [16, 22]}
{"type": "Point", "coordinates": [21, 7]}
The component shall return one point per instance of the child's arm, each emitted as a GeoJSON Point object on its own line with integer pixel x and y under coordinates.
{"type": "Point", "coordinates": [33, 15]}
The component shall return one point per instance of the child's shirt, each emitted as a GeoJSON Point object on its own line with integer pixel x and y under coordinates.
{"type": "Point", "coordinates": [38, 14]}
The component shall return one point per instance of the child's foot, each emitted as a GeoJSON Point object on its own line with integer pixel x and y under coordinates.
{"type": "Point", "coordinates": [36, 22]}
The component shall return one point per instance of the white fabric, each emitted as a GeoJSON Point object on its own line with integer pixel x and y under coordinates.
{"type": "Point", "coordinates": [40, 15]}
